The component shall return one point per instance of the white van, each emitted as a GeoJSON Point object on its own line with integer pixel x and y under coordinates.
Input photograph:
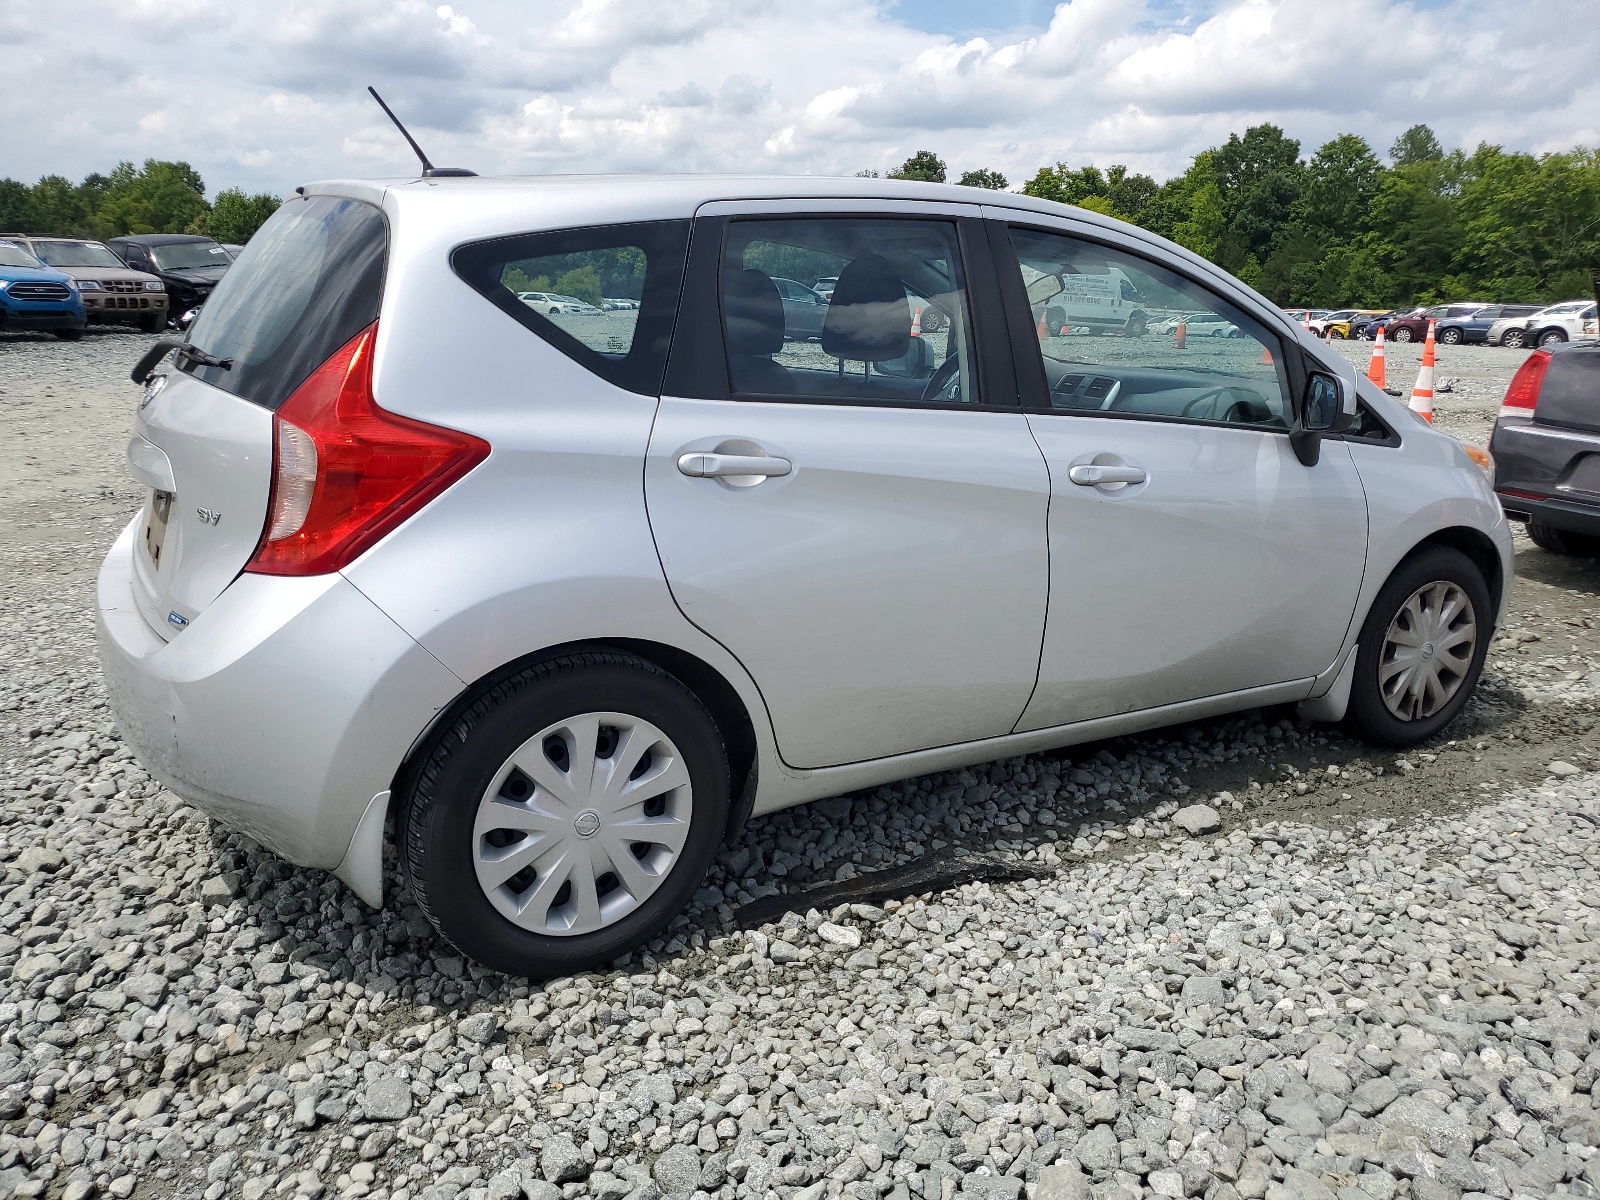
{"type": "Point", "coordinates": [1098, 303]}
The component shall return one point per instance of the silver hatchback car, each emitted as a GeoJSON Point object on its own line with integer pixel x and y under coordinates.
{"type": "Point", "coordinates": [570, 597]}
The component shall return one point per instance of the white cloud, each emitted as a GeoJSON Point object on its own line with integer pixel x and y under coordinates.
{"type": "Point", "coordinates": [269, 96]}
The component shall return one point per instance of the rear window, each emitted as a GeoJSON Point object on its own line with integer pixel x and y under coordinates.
{"type": "Point", "coordinates": [309, 281]}
{"type": "Point", "coordinates": [604, 296]}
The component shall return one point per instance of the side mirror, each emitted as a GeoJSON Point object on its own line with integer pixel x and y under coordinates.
{"type": "Point", "coordinates": [915, 363]}
{"type": "Point", "coordinates": [1324, 409]}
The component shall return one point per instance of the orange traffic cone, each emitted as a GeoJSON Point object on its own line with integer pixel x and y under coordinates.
{"type": "Point", "coordinates": [1422, 392]}
{"type": "Point", "coordinates": [1180, 333]}
{"type": "Point", "coordinates": [1042, 331]}
{"type": "Point", "coordinates": [916, 323]}
{"type": "Point", "coordinates": [1266, 357]}
{"type": "Point", "coordinates": [1375, 371]}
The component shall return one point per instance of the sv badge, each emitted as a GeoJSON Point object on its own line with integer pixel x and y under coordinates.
{"type": "Point", "coordinates": [208, 515]}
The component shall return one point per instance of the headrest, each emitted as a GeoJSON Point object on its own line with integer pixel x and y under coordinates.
{"type": "Point", "coordinates": [754, 312]}
{"type": "Point", "coordinates": [869, 316]}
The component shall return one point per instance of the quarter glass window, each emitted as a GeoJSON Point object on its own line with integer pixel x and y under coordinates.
{"type": "Point", "coordinates": [1120, 335]}
{"type": "Point", "coordinates": [896, 328]}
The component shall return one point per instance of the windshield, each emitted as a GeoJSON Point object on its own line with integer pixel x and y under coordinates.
{"type": "Point", "coordinates": [185, 256]}
{"type": "Point", "coordinates": [12, 255]}
{"type": "Point", "coordinates": [78, 254]}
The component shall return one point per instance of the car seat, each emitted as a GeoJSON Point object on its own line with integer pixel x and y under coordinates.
{"type": "Point", "coordinates": [753, 310]}
{"type": "Point", "coordinates": [869, 318]}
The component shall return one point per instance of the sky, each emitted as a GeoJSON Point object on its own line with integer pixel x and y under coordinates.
{"type": "Point", "coordinates": [268, 95]}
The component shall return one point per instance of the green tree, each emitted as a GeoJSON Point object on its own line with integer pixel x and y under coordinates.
{"type": "Point", "coordinates": [163, 197]}
{"type": "Point", "coordinates": [924, 165]}
{"type": "Point", "coordinates": [1416, 145]}
{"type": "Point", "coordinates": [581, 283]}
{"type": "Point", "coordinates": [235, 216]}
{"type": "Point", "coordinates": [984, 178]}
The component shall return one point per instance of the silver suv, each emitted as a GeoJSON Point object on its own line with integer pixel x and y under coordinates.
{"type": "Point", "coordinates": [569, 597]}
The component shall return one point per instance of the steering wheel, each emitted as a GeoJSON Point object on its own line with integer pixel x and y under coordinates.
{"type": "Point", "coordinates": [1243, 408]}
{"type": "Point", "coordinates": [941, 379]}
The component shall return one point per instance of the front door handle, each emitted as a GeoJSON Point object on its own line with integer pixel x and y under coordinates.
{"type": "Point", "coordinates": [724, 466]}
{"type": "Point", "coordinates": [1098, 475]}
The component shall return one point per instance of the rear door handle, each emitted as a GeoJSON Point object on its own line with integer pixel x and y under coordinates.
{"type": "Point", "coordinates": [723, 466]}
{"type": "Point", "coordinates": [1095, 474]}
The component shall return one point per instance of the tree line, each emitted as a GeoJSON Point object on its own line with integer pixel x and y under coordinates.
{"type": "Point", "coordinates": [160, 197]}
{"type": "Point", "coordinates": [1342, 227]}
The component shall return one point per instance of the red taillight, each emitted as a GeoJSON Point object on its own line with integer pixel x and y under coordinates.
{"type": "Point", "coordinates": [1523, 394]}
{"type": "Point", "coordinates": [345, 472]}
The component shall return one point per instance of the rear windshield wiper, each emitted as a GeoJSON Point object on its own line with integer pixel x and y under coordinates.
{"type": "Point", "coordinates": [183, 350]}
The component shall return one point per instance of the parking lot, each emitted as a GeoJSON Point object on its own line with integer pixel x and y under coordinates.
{"type": "Point", "coordinates": [1216, 960]}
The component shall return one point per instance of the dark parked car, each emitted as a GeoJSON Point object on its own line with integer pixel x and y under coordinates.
{"type": "Point", "coordinates": [1413, 327]}
{"type": "Point", "coordinates": [803, 310]}
{"type": "Point", "coordinates": [188, 264]}
{"type": "Point", "coordinates": [1546, 448]}
{"type": "Point", "coordinates": [1367, 326]}
{"type": "Point", "coordinates": [1473, 330]}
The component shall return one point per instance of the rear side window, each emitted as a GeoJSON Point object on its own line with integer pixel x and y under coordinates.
{"type": "Point", "coordinates": [605, 296]}
{"type": "Point", "coordinates": [309, 281]}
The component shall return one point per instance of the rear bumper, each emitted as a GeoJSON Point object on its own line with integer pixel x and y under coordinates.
{"type": "Point", "coordinates": [281, 710]}
{"type": "Point", "coordinates": [1574, 516]}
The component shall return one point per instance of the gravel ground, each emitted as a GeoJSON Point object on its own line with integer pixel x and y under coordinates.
{"type": "Point", "coordinates": [1246, 959]}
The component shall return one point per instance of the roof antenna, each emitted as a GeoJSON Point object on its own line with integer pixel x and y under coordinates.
{"type": "Point", "coordinates": [429, 171]}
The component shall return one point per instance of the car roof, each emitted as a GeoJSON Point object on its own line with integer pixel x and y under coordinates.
{"type": "Point", "coordinates": [163, 239]}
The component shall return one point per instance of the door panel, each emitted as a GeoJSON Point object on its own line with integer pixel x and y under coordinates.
{"type": "Point", "coordinates": [1231, 566]}
{"type": "Point", "coordinates": [887, 594]}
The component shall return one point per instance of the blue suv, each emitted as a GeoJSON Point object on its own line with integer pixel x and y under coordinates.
{"type": "Point", "coordinates": [32, 296]}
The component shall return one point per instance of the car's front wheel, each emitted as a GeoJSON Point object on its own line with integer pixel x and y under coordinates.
{"type": "Point", "coordinates": [1514, 339]}
{"type": "Point", "coordinates": [68, 335]}
{"type": "Point", "coordinates": [1422, 648]}
{"type": "Point", "coordinates": [1403, 334]}
{"type": "Point", "coordinates": [567, 815]}
{"type": "Point", "coordinates": [1552, 337]}
{"type": "Point", "coordinates": [1451, 337]}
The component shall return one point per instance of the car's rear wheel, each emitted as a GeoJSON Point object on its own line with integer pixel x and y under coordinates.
{"type": "Point", "coordinates": [1337, 334]}
{"type": "Point", "coordinates": [154, 323]}
{"type": "Point", "coordinates": [1514, 339]}
{"type": "Point", "coordinates": [567, 815]}
{"type": "Point", "coordinates": [1403, 334]}
{"type": "Point", "coordinates": [1137, 326]}
{"type": "Point", "coordinates": [68, 335]}
{"type": "Point", "coordinates": [932, 320]}
{"type": "Point", "coordinates": [1563, 541]}
{"type": "Point", "coordinates": [1552, 337]}
{"type": "Point", "coordinates": [1422, 648]}
{"type": "Point", "coordinates": [1451, 337]}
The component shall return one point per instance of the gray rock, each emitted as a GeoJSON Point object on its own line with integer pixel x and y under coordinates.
{"type": "Point", "coordinates": [1441, 1131]}
{"type": "Point", "coordinates": [387, 1098]}
{"type": "Point", "coordinates": [1373, 1096]}
{"type": "Point", "coordinates": [1062, 1181]}
{"type": "Point", "coordinates": [677, 1171]}
{"type": "Point", "coordinates": [561, 1161]}
{"type": "Point", "coordinates": [1097, 1150]}
{"type": "Point", "coordinates": [1523, 937]}
{"type": "Point", "coordinates": [1216, 1053]}
{"type": "Point", "coordinates": [1298, 1116]}
{"type": "Point", "coordinates": [1561, 769]}
{"type": "Point", "coordinates": [1203, 989]}
{"type": "Point", "coordinates": [991, 1187]}
{"type": "Point", "coordinates": [479, 1028]}
{"type": "Point", "coordinates": [1197, 819]}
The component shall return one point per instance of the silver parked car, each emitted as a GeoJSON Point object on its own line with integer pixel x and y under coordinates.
{"type": "Point", "coordinates": [569, 599]}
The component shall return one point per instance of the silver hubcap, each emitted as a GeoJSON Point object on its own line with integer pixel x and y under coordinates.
{"type": "Point", "coordinates": [582, 824]}
{"type": "Point", "coordinates": [1427, 651]}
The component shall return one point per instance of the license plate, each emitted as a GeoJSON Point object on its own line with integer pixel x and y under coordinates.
{"type": "Point", "coordinates": [155, 529]}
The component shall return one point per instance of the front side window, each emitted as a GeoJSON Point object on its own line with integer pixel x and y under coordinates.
{"type": "Point", "coordinates": [1120, 335]}
{"type": "Point", "coordinates": [897, 327]}
{"type": "Point", "coordinates": [605, 296]}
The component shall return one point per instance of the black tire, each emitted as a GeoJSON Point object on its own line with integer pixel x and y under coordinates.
{"type": "Point", "coordinates": [1563, 541]}
{"type": "Point", "coordinates": [1403, 334]}
{"type": "Point", "coordinates": [154, 323]}
{"type": "Point", "coordinates": [1450, 337]}
{"type": "Point", "coordinates": [1552, 337]}
{"type": "Point", "coordinates": [1136, 327]}
{"type": "Point", "coordinates": [1337, 334]}
{"type": "Point", "coordinates": [1514, 339]}
{"type": "Point", "coordinates": [1368, 715]}
{"type": "Point", "coordinates": [1054, 319]}
{"type": "Point", "coordinates": [932, 320]}
{"type": "Point", "coordinates": [441, 799]}
{"type": "Point", "coordinates": [68, 335]}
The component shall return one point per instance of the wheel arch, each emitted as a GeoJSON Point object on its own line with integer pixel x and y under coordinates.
{"type": "Point", "coordinates": [1477, 546]}
{"type": "Point", "coordinates": [708, 684]}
